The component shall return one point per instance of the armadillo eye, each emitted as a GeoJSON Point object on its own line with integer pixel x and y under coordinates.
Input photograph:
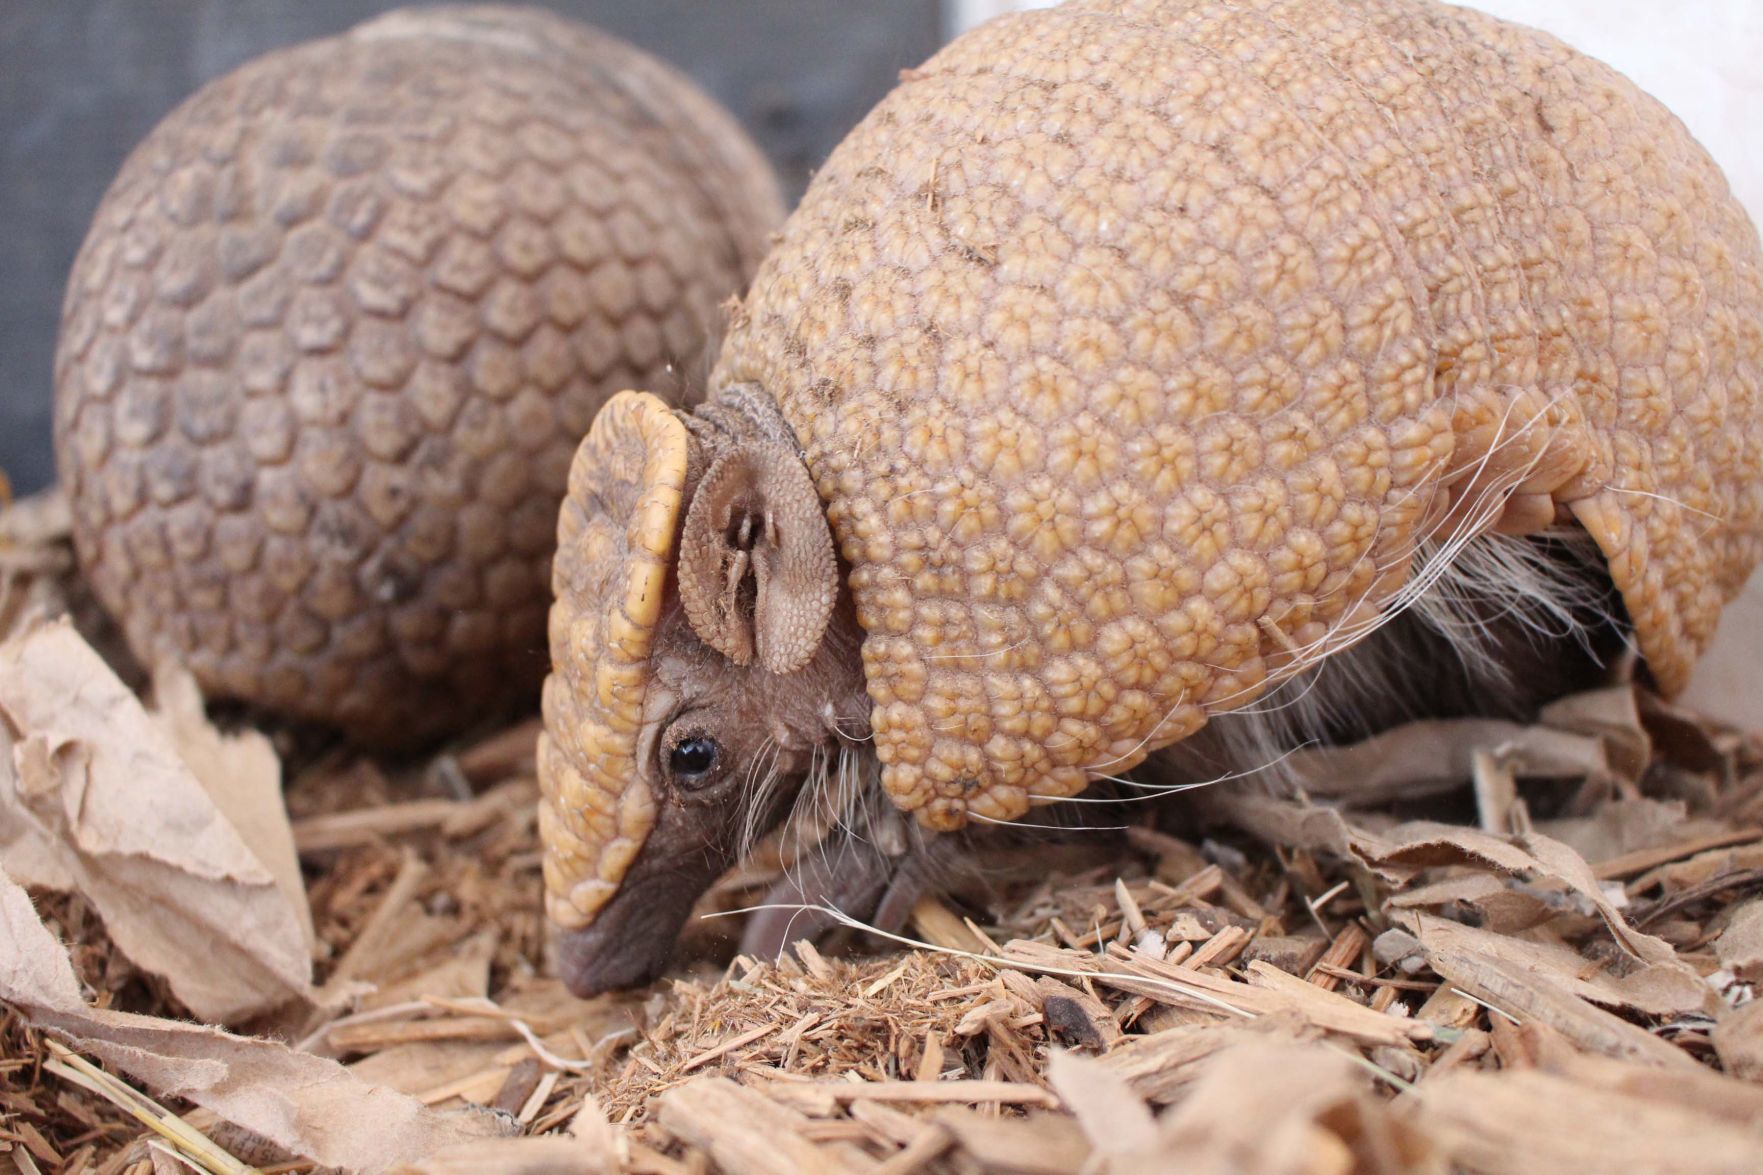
{"type": "Point", "coordinates": [693, 758]}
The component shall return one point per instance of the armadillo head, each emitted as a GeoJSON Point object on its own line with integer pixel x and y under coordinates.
{"type": "Point", "coordinates": [696, 666]}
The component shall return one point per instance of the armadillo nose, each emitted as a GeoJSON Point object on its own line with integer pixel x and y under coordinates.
{"type": "Point", "coordinates": [600, 959]}
{"type": "Point", "coordinates": [632, 937]}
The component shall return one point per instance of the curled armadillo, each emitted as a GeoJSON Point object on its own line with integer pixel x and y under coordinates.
{"type": "Point", "coordinates": [1132, 359]}
{"type": "Point", "coordinates": [340, 323]}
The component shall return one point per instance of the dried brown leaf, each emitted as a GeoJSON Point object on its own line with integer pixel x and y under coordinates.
{"type": "Point", "coordinates": [1625, 828]}
{"type": "Point", "coordinates": [1499, 907]}
{"type": "Point", "coordinates": [308, 1105]}
{"type": "Point", "coordinates": [549, 1155]}
{"type": "Point", "coordinates": [1642, 861]}
{"type": "Point", "coordinates": [1529, 857]}
{"type": "Point", "coordinates": [41, 520]}
{"type": "Point", "coordinates": [36, 559]}
{"type": "Point", "coordinates": [1740, 945]}
{"type": "Point", "coordinates": [242, 775]}
{"type": "Point", "coordinates": [1738, 1040]}
{"type": "Point", "coordinates": [1428, 757]}
{"type": "Point", "coordinates": [101, 789]}
{"type": "Point", "coordinates": [1701, 868]}
{"type": "Point", "coordinates": [1295, 825]}
{"type": "Point", "coordinates": [1529, 980]}
{"type": "Point", "coordinates": [1728, 681]}
{"type": "Point", "coordinates": [1700, 1089]}
{"type": "Point", "coordinates": [1612, 717]}
{"type": "Point", "coordinates": [1528, 1120]}
{"type": "Point", "coordinates": [1283, 1109]}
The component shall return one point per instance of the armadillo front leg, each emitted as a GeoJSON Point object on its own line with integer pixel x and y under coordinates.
{"type": "Point", "coordinates": [853, 875]}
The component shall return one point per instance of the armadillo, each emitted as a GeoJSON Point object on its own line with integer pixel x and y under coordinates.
{"type": "Point", "coordinates": [340, 323]}
{"type": "Point", "coordinates": [1131, 360]}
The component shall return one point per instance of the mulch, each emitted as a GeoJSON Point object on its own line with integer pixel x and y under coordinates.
{"type": "Point", "coordinates": [1545, 962]}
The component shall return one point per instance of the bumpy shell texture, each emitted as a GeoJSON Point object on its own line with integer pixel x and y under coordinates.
{"type": "Point", "coordinates": [1136, 348]}
{"type": "Point", "coordinates": [341, 322]}
{"type": "Point", "coordinates": [615, 542]}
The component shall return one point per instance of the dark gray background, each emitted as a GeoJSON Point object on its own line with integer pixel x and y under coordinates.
{"type": "Point", "coordinates": [82, 81]}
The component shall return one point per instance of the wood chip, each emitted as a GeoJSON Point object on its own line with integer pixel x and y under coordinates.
{"type": "Point", "coordinates": [1039, 1144]}
{"type": "Point", "coordinates": [917, 1155]}
{"type": "Point", "coordinates": [744, 1131]}
{"type": "Point", "coordinates": [930, 1062]}
{"type": "Point", "coordinates": [1640, 861]}
{"type": "Point", "coordinates": [1534, 1121]}
{"type": "Point", "coordinates": [940, 926]}
{"type": "Point", "coordinates": [1113, 1118]}
{"type": "Point", "coordinates": [1273, 1106]}
{"type": "Point", "coordinates": [517, 1087]}
{"type": "Point", "coordinates": [508, 752]}
{"type": "Point", "coordinates": [1293, 954]}
{"type": "Point", "coordinates": [730, 1045]}
{"type": "Point", "coordinates": [1341, 954]}
{"type": "Point", "coordinates": [1503, 961]}
{"type": "Point", "coordinates": [1221, 948]}
{"type": "Point", "coordinates": [1075, 1016]}
{"type": "Point", "coordinates": [382, 926]}
{"type": "Point", "coordinates": [345, 830]}
{"type": "Point", "coordinates": [1007, 1093]}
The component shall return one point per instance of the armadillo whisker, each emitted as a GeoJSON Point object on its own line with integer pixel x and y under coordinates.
{"type": "Point", "coordinates": [848, 921]}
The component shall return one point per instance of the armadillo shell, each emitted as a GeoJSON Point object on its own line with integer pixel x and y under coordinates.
{"type": "Point", "coordinates": [615, 540]}
{"type": "Point", "coordinates": [1137, 347]}
{"type": "Point", "coordinates": [340, 323]}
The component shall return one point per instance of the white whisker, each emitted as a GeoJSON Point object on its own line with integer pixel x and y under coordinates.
{"type": "Point", "coordinates": [844, 919]}
{"type": "Point", "coordinates": [1048, 827]}
{"type": "Point", "coordinates": [978, 656]}
{"type": "Point", "coordinates": [1715, 519]}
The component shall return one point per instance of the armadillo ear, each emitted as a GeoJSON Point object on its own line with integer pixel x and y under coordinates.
{"type": "Point", "coordinates": [757, 574]}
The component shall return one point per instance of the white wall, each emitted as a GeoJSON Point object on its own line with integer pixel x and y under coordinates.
{"type": "Point", "coordinates": [1702, 58]}
{"type": "Point", "coordinates": [964, 14]}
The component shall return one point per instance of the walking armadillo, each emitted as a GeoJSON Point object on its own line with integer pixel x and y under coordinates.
{"type": "Point", "coordinates": [338, 326]}
{"type": "Point", "coordinates": [1131, 359]}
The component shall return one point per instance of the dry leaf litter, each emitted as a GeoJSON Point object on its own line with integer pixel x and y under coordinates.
{"type": "Point", "coordinates": [1470, 946]}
